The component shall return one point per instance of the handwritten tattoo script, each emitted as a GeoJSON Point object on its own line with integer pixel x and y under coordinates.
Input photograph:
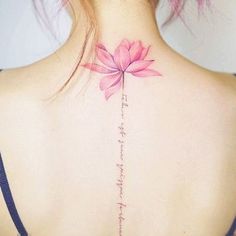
{"type": "Point", "coordinates": [121, 164]}
{"type": "Point", "coordinates": [128, 57]}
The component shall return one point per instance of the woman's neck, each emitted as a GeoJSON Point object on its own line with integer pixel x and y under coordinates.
{"type": "Point", "coordinates": [126, 18]}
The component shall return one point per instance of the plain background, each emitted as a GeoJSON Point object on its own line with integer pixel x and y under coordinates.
{"type": "Point", "coordinates": [211, 42]}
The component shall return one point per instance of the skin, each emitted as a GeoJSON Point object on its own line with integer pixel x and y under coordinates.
{"type": "Point", "coordinates": [60, 156]}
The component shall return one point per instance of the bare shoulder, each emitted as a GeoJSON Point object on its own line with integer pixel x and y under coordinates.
{"type": "Point", "coordinates": [225, 89]}
{"type": "Point", "coordinates": [14, 98]}
{"type": "Point", "coordinates": [226, 97]}
{"type": "Point", "coordinates": [18, 83]}
{"type": "Point", "coordinates": [227, 83]}
{"type": "Point", "coordinates": [14, 89]}
{"type": "Point", "coordinates": [10, 80]}
{"type": "Point", "coordinates": [10, 89]}
{"type": "Point", "coordinates": [4, 84]}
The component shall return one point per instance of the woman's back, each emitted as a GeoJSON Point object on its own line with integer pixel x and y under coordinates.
{"type": "Point", "coordinates": [163, 163]}
{"type": "Point", "coordinates": [179, 155]}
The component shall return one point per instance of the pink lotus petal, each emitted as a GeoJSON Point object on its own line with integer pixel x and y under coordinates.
{"type": "Point", "coordinates": [105, 57]}
{"type": "Point", "coordinates": [101, 46]}
{"type": "Point", "coordinates": [135, 51]}
{"type": "Point", "coordinates": [132, 43]}
{"type": "Point", "coordinates": [126, 43]}
{"type": "Point", "coordinates": [146, 72]}
{"type": "Point", "coordinates": [138, 65]}
{"type": "Point", "coordinates": [121, 57]}
{"type": "Point", "coordinates": [98, 68]}
{"type": "Point", "coordinates": [110, 91]}
{"type": "Point", "coordinates": [144, 53]}
{"type": "Point", "coordinates": [110, 80]}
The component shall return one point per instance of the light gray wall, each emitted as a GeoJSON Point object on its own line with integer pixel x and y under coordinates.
{"type": "Point", "coordinates": [212, 43]}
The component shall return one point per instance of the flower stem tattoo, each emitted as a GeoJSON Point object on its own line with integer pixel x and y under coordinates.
{"type": "Point", "coordinates": [129, 57]}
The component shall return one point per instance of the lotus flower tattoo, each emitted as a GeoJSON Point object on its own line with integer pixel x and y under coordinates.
{"type": "Point", "coordinates": [129, 57]}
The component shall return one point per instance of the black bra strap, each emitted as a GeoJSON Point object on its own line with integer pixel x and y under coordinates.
{"type": "Point", "coordinates": [9, 200]}
{"type": "Point", "coordinates": [232, 229]}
